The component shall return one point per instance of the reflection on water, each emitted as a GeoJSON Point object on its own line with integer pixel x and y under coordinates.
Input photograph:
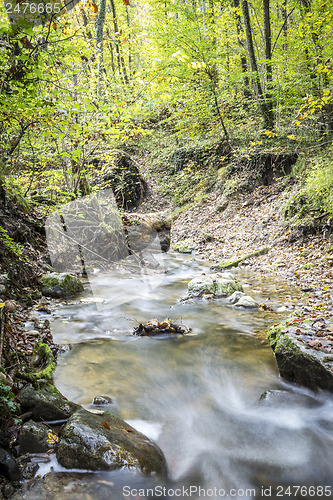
{"type": "Point", "coordinates": [197, 395]}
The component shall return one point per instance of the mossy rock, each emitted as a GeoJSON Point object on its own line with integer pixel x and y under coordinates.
{"type": "Point", "coordinates": [34, 438]}
{"type": "Point", "coordinates": [105, 442]}
{"type": "Point", "coordinates": [218, 285]}
{"type": "Point", "coordinates": [46, 403]}
{"type": "Point", "coordinates": [61, 285]}
{"type": "Point", "coordinates": [185, 246]}
{"type": "Point", "coordinates": [122, 174]}
{"type": "Point", "coordinates": [299, 363]}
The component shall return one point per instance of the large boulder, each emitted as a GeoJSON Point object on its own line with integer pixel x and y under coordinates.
{"type": "Point", "coordinates": [121, 173]}
{"type": "Point", "coordinates": [46, 403]}
{"type": "Point", "coordinates": [142, 229]}
{"type": "Point", "coordinates": [105, 442]}
{"type": "Point", "coordinates": [61, 285]}
{"type": "Point", "coordinates": [217, 285]}
{"type": "Point", "coordinates": [301, 356]}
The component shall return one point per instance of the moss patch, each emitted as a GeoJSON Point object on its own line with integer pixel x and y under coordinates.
{"type": "Point", "coordinates": [227, 264]}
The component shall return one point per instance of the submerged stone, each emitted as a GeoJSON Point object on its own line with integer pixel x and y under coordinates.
{"type": "Point", "coordinates": [105, 442]}
{"type": "Point", "coordinates": [286, 399]}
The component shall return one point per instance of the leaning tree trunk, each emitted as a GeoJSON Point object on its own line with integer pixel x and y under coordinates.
{"type": "Point", "coordinates": [254, 67]}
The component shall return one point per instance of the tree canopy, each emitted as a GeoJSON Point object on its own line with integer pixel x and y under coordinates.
{"type": "Point", "coordinates": [88, 74]}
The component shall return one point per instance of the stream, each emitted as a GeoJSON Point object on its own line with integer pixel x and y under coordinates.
{"type": "Point", "coordinates": [197, 396]}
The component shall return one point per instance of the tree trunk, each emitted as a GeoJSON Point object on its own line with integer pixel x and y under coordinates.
{"type": "Point", "coordinates": [120, 58]}
{"type": "Point", "coordinates": [99, 43]}
{"type": "Point", "coordinates": [241, 42]}
{"type": "Point", "coordinates": [254, 67]}
{"type": "Point", "coordinates": [285, 25]}
{"type": "Point", "coordinates": [268, 57]}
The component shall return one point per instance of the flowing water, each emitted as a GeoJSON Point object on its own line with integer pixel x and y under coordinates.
{"type": "Point", "coordinates": [197, 395]}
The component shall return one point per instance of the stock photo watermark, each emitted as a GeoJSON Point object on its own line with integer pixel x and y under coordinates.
{"type": "Point", "coordinates": [295, 491]}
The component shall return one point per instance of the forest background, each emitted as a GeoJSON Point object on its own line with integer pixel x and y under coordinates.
{"type": "Point", "coordinates": [84, 80]}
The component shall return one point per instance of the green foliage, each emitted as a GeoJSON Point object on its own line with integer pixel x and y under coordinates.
{"type": "Point", "coordinates": [8, 406]}
{"type": "Point", "coordinates": [319, 182]}
{"type": "Point", "coordinates": [11, 245]}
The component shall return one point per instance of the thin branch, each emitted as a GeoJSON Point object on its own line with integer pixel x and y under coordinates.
{"type": "Point", "coordinates": [282, 27]}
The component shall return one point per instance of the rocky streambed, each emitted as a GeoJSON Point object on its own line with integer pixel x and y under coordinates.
{"type": "Point", "coordinates": [202, 406]}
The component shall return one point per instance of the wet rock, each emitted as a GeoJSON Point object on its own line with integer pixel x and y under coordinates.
{"type": "Point", "coordinates": [285, 399]}
{"type": "Point", "coordinates": [79, 486]}
{"type": "Point", "coordinates": [46, 403]}
{"type": "Point", "coordinates": [297, 361]}
{"type": "Point", "coordinates": [34, 438]}
{"type": "Point", "coordinates": [218, 285]}
{"type": "Point", "coordinates": [247, 302]}
{"type": "Point", "coordinates": [28, 465]}
{"type": "Point", "coordinates": [61, 285]}
{"type": "Point", "coordinates": [101, 400]}
{"type": "Point", "coordinates": [105, 442]}
{"type": "Point", "coordinates": [8, 466]}
{"type": "Point", "coordinates": [235, 297]}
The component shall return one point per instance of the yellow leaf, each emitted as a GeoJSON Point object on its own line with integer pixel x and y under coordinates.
{"type": "Point", "coordinates": [2, 304]}
{"type": "Point", "coordinates": [52, 438]}
{"type": "Point", "coordinates": [93, 7]}
{"type": "Point", "coordinates": [291, 137]}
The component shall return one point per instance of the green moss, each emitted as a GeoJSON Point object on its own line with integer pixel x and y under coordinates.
{"type": "Point", "coordinates": [227, 264]}
{"type": "Point", "coordinates": [50, 281]}
{"type": "Point", "coordinates": [273, 335]}
{"type": "Point", "coordinates": [281, 343]}
{"type": "Point", "coordinates": [309, 265]}
{"type": "Point", "coordinates": [45, 352]}
{"type": "Point", "coordinates": [61, 285]}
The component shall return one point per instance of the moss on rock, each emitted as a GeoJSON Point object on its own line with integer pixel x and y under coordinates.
{"type": "Point", "coordinates": [61, 285]}
{"type": "Point", "coordinates": [105, 442]}
{"type": "Point", "coordinates": [299, 363]}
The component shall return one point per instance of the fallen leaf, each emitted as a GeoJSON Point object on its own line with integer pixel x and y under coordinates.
{"type": "Point", "coordinates": [105, 425]}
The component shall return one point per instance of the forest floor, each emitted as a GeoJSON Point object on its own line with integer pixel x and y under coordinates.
{"type": "Point", "coordinates": [221, 229]}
